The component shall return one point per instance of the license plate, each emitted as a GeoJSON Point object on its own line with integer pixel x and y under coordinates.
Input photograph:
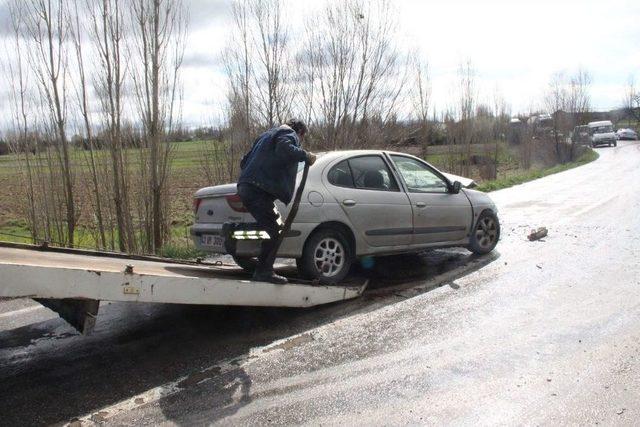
{"type": "Point", "coordinates": [211, 241]}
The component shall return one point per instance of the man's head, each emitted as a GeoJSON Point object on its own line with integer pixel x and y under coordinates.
{"type": "Point", "coordinates": [298, 126]}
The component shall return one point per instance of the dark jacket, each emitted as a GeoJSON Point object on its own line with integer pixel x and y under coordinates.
{"type": "Point", "coordinates": [272, 163]}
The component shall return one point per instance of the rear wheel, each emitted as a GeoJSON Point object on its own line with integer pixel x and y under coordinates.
{"type": "Point", "coordinates": [486, 233]}
{"type": "Point", "coordinates": [326, 256]}
{"type": "Point", "coordinates": [248, 264]}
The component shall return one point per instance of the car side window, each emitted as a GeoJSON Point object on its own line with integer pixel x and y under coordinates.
{"type": "Point", "coordinates": [340, 175]}
{"type": "Point", "coordinates": [418, 177]}
{"type": "Point", "coordinates": [371, 173]}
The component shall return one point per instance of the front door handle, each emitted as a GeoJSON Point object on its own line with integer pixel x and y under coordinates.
{"type": "Point", "coordinates": [421, 204]}
{"type": "Point", "coordinates": [349, 202]}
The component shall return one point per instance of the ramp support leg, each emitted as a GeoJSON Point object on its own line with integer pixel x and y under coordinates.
{"type": "Point", "coordinates": [79, 313]}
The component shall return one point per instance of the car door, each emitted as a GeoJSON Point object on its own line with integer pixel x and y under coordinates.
{"type": "Point", "coordinates": [371, 198]}
{"type": "Point", "coordinates": [439, 216]}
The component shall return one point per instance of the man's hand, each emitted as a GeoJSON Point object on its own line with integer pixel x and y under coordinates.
{"type": "Point", "coordinates": [311, 158]}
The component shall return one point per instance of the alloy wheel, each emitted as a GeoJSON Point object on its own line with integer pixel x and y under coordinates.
{"type": "Point", "coordinates": [486, 232]}
{"type": "Point", "coordinates": [329, 257]}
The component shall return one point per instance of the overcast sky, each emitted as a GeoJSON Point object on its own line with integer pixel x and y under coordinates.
{"type": "Point", "coordinates": [514, 45]}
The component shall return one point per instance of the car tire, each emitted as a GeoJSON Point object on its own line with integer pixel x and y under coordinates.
{"type": "Point", "coordinates": [327, 257]}
{"type": "Point", "coordinates": [615, 144]}
{"type": "Point", "coordinates": [485, 233]}
{"type": "Point", "coordinates": [248, 264]}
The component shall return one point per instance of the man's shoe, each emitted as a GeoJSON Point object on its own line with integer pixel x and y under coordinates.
{"type": "Point", "coordinates": [270, 277]}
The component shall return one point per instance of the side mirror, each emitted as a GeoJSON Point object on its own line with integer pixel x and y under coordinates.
{"type": "Point", "coordinates": [455, 188]}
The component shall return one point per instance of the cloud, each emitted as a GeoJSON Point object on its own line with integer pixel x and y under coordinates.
{"type": "Point", "coordinates": [5, 18]}
{"type": "Point", "coordinates": [201, 60]}
{"type": "Point", "coordinates": [518, 45]}
{"type": "Point", "coordinates": [204, 13]}
{"type": "Point", "coordinates": [514, 46]}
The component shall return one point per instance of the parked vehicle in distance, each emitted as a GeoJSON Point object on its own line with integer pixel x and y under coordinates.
{"type": "Point", "coordinates": [581, 135]}
{"type": "Point", "coordinates": [602, 133]}
{"type": "Point", "coordinates": [629, 134]}
{"type": "Point", "coordinates": [356, 204]}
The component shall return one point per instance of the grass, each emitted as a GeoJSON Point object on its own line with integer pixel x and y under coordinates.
{"type": "Point", "coordinates": [15, 232]}
{"type": "Point", "coordinates": [185, 155]}
{"type": "Point", "coordinates": [627, 123]}
{"type": "Point", "coordinates": [498, 184]}
{"type": "Point", "coordinates": [177, 251]}
{"type": "Point", "coordinates": [179, 246]}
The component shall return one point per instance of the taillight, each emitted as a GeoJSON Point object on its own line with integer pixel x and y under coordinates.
{"type": "Point", "coordinates": [235, 203]}
{"type": "Point", "coordinates": [196, 205]}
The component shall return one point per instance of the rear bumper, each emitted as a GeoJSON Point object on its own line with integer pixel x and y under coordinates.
{"type": "Point", "coordinates": [604, 141]}
{"type": "Point", "coordinates": [291, 246]}
{"type": "Point", "coordinates": [199, 230]}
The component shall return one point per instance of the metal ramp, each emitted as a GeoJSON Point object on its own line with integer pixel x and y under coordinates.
{"type": "Point", "coordinates": [72, 282]}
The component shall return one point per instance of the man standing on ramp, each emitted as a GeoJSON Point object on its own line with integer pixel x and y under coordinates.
{"type": "Point", "coordinates": [268, 173]}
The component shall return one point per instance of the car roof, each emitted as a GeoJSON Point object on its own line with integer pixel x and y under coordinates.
{"type": "Point", "coordinates": [601, 123]}
{"type": "Point", "coordinates": [331, 155]}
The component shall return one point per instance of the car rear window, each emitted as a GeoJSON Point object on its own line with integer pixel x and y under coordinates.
{"type": "Point", "coordinates": [340, 175]}
{"type": "Point", "coordinates": [371, 173]}
{"type": "Point", "coordinates": [363, 172]}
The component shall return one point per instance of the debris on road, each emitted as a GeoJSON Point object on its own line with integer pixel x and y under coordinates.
{"type": "Point", "coordinates": [538, 234]}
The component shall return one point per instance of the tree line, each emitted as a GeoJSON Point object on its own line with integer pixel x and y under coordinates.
{"type": "Point", "coordinates": [97, 67]}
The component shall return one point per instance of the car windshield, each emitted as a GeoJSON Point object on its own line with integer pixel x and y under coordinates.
{"type": "Point", "coordinates": [603, 129]}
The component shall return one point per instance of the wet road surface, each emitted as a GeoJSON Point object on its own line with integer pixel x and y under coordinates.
{"type": "Point", "coordinates": [544, 332]}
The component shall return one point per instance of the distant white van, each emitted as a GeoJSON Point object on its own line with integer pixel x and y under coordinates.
{"type": "Point", "coordinates": [602, 133]}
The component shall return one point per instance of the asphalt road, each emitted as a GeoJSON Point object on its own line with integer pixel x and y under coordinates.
{"type": "Point", "coordinates": [542, 332]}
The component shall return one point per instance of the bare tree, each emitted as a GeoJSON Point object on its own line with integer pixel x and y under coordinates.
{"type": "Point", "coordinates": [271, 46]}
{"type": "Point", "coordinates": [76, 31]}
{"type": "Point", "coordinates": [555, 101]}
{"type": "Point", "coordinates": [46, 24]}
{"type": "Point", "coordinates": [501, 118]}
{"type": "Point", "coordinates": [107, 37]}
{"type": "Point", "coordinates": [19, 99]}
{"type": "Point", "coordinates": [421, 100]}
{"type": "Point", "coordinates": [238, 60]}
{"type": "Point", "coordinates": [467, 100]}
{"type": "Point", "coordinates": [631, 101]}
{"type": "Point", "coordinates": [353, 70]}
{"type": "Point", "coordinates": [156, 24]}
{"type": "Point", "coordinates": [579, 97]}
{"type": "Point", "coordinates": [568, 101]}
{"type": "Point", "coordinates": [258, 67]}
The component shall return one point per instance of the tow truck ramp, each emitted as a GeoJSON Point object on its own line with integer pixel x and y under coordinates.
{"type": "Point", "coordinates": [73, 282]}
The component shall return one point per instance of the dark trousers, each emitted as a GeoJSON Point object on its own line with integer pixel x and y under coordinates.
{"type": "Point", "coordinates": [261, 205]}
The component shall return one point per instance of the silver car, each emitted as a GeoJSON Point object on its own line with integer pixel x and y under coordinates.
{"type": "Point", "coordinates": [357, 204]}
{"type": "Point", "coordinates": [626, 134]}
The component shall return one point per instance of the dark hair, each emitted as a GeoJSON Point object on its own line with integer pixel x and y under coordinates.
{"type": "Point", "coordinates": [298, 126]}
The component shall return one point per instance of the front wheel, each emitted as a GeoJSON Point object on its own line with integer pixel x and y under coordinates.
{"type": "Point", "coordinates": [486, 233]}
{"type": "Point", "coordinates": [326, 257]}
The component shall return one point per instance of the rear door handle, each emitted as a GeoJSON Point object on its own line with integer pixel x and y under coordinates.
{"type": "Point", "coordinates": [349, 202]}
{"type": "Point", "coordinates": [421, 204]}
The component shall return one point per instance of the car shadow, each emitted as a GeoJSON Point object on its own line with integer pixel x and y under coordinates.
{"type": "Point", "coordinates": [136, 347]}
{"type": "Point", "coordinates": [426, 265]}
